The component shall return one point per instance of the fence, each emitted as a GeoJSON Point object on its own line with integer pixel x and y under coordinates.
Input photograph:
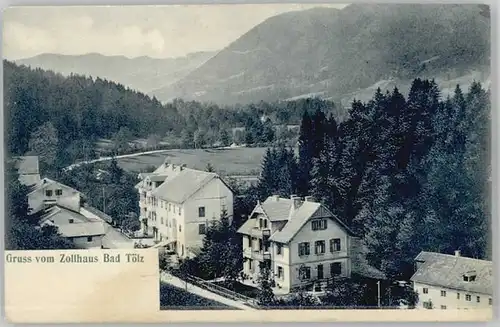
{"type": "Point", "coordinates": [222, 291]}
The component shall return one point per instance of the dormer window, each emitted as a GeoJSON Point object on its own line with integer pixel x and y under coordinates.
{"type": "Point", "coordinates": [469, 276]}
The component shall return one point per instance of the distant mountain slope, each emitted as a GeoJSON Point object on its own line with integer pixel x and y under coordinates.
{"type": "Point", "coordinates": [338, 53]}
{"type": "Point", "coordinates": [142, 73]}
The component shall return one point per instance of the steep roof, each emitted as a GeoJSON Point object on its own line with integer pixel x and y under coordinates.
{"type": "Point", "coordinates": [27, 165]}
{"type": "Point", "coordinates": [293, 226]}
{"type": "Point", "coordinates": [98, 213]}
{"type": "Point", "coordinates": [81, 227]}
{"type": "Point", "coordinates": [278, 209]}
{"type": "Point", "coordinates": [187, 182]}
{"type": "Point", "coordinates": [447, 271]}
{"type": "Point", "coordinates": [46, 182]}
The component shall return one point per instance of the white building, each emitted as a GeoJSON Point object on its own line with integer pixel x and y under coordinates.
{"type": "Point", "coordinates": [177, 204]}
{"type": "Point", "coordinates": [445, 281]}
{"type": "Point", "coordinates": [84, 232]}
{"type": "Point", "coordinates": [303, 242]}
{"type": "Point", "coordinates": [48, 192]}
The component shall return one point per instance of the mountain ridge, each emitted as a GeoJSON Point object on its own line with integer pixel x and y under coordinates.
{"type": "Point", "coordinates": [336, 52]}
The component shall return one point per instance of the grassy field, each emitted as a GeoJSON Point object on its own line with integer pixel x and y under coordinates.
{"type": "Point", "coordinates": [173, 298]}
{"type": "Point", "coordinates": [234, 161]}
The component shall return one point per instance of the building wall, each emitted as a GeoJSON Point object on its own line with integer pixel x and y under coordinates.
{"type": "Point", "coordinates": [451, 300]}
{"type": "Point", "coordinates": [62, 219]}
{"type": "Point", "coordinates": [214, 197]}
{"type": "Point", "coordinates": [82, 242]}
{"type": "Point", "coordinates": [69, 199]}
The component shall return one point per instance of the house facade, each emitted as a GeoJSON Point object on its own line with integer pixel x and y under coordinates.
{"type": "Point", "coordinates": [445, 281]}
{"type": "Point", "coordinates": [48, 192]}
{"type": "Point", "coordinates": [301, 241]}
{"type": "Point", "coordinates": [178, 203]}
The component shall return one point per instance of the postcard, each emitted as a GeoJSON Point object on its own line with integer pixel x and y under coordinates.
{"type": "Point", "coordinates": [235, 162]}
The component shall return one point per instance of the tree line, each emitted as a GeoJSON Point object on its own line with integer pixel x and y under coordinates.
{"type": "Point", "coordinates": [406, 174]}
{"type": "Point", "coordinates": [61, 118]}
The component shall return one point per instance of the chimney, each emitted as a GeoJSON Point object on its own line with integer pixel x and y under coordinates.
{"type": "Point", "coordinates": [309, 198]}
{"type": "Point", "coordinates": [457, 253]}
{"type": "Point", "coordinates": [173, 167]}
{"type": "Point", "coordinates": [297, 201]}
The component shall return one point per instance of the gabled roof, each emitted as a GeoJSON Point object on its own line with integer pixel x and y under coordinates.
{"type": "Point", "coordinates": [98, 213]}
{"type": "Point", "coordinates": [278, 209]}
{"type": "Point", "coordinates": [447, 271]}
{"type": "Point", "coordinates": [27, 165]}
{"type": "Point", "coordinates": [179, 188]}
{"type": "Point", "coordinates": [81, 227]}
{"type": "Point", "coordinates": [46, 182]}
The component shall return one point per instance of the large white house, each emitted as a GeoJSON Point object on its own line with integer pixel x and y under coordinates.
{"type": "Point", "coordinates": [445, 281]}
{"type": "Point", "coordinates": [178, 203]}
{"type": "Point", "coordinates": [302, 242]}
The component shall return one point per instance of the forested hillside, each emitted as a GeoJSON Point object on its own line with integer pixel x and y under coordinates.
{"type": "Point", "coordinates": [59, 118]}
{"type": "Point", "coordinates": [408, 175]}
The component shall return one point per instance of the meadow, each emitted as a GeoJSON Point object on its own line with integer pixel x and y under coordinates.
{"type": "Point", "coordinates": [227, 161]}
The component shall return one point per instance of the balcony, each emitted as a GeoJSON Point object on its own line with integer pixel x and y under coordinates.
{"type": "Point", "coordinates": [261, 255]}
{"type": "Point", "coordinates": [261, 233]}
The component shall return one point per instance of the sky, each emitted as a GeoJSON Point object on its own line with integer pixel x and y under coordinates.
{"type": "Point", "coordinates": [132, 31]}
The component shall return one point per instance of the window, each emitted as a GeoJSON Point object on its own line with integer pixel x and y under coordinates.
{"type": "Point", "coordinates": [89, 239]}
{"type": "Point", "coordinates": [335, 245]}
{"type": "Point", "coordinates": [469, 278]}
{"type": "Point", "coordinates": [261, 223]}
{"type": "Point", "coordinates": [280, 272]}
{"type": "Point", "coordinates": [458, 296]}
{"type": "Point", "coordinates": [250, 264]}
{"type": "Point", "coordinates": [71, 221]}
{"type": "Point", "coordinates": [425, 290]}
{"type": "Point", "coordinates": [427, 305]}
{"type": "Point", "coordinates": [201, 212]}
{"type": "Point", "coordinates": [319, 247]}
{"type": "Point", "coordinates": [161, 203]}
{"type": "Point", "coordinates": [48, 193]}
{"type": "Point", "coordinates": [260, 245]}
{"type": "Point", "coordinates": [443, 307]}
{"type": "Point", "coordinates": [59, 192]}
{"type": "Point", "coordinates": [265, 223]}
{"type": "Point", "coordinates": [162, 220]}
{"type": "Point", "coordinates": [490, 301]}
{"type": "Point", "coordinates": [170, 207]}
{"type": "Point", "coordinates": [335, 269]}
{"type": "Point", "coordinates": [180, 228]}
{"type": "Point", "coordinates": [478, 299]}
{"type": "Point", "coordinates": [320, 271]}
{"type": "Point", "coordinates": [201, 229]}
{"type": "Point", "coordinates": [468, 297]}
{"type": "Point", "coordinates": [180, 211]}
{"type": "Point", "coordinates": [318, 224]}
{"type": "Point", "coordinates": [305, 273]}
{"type": "Point", "coordinates": [443, 293]}
{"type": "Point", "coordinates": [304, 248]}
{"type": "Point", "coordinates": [279, 248]}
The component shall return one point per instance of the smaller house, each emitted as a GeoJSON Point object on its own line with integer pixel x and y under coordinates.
{"type": "Point", "coordinates": [302, 242]}
{"type": "Point", "coordinates": [445, 281]}
{"type": "Point", "coordinates": [28, 169]}
{"type": "Point", "coordinates": [84, 232]}
{"type": "Point", "coordinates": [48, 192]}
